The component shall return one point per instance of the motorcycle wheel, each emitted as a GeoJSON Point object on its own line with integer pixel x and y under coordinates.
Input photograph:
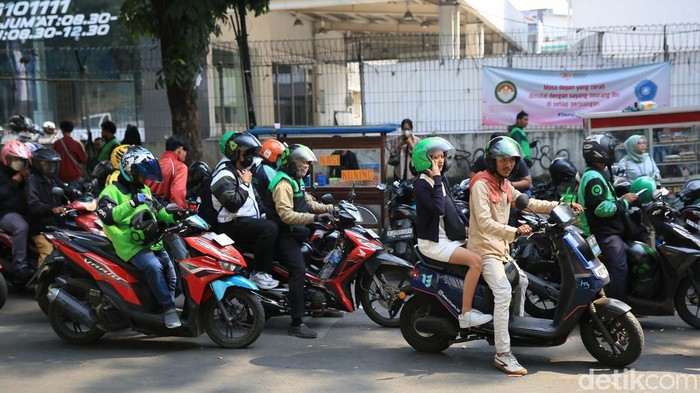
{"type": "Point", "coordinates": [246, 326]}
{"type": "Point", "coordinates": [384, 311]}
{"type": "Point", "coordinates": [3, 290]}
{"type": "Point", "coordinates": [70, 331]}
{"type": "Point", "coordinates": [419, 307]}
{"type": "Point", "coordinates": [535, 305]}
{"type": "Point", "coordinates": [624, 329]}
{"type": "Point", "coordinates": [687, 302]}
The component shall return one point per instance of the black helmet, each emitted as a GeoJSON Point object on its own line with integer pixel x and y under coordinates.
{"type": "Point", "coordinates": [562, 170]}
{"type": "Point", "coordinates": [244, 142]}
{"type": "Point", "coordinates": [502, 147]}
{"type": "Point", "coordinates": [101, 171]}
{"type": "Point", "coordinates": [144, 227]}
{"type": "Point", "coordinates": [18, 123]}
{"type": "Point", "coordinates": [600, 148]}
{"type": "Point", "coordinates": [46, 162]}
{"type": "Point", "coordinates": [196, 174]}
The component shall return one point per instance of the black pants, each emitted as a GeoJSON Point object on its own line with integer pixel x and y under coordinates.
{"type": "Point", "coordinates": [261, 233]}
{"type": "Point", "coordinates": [614, 256]}
{"type": "Point", "coordinates": [289, 254]}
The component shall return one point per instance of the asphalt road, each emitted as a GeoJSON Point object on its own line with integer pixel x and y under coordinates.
{"type": "Point", "coordinates": [352, 354]}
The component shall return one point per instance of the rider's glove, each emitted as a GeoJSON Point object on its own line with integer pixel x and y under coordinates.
{"type": "Point", "coordinates": [139, 199]}
{"type": "Point", "coordinates": [323, 217]}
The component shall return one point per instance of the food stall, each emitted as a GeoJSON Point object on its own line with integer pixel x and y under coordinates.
{"type": "Point", "coordinates": [672, 135]}
{"type": "Point", "coordinates": [347, 156]}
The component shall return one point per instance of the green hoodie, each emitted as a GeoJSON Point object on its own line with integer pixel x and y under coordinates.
{"type": "Point", "coordinates": [116, 213]}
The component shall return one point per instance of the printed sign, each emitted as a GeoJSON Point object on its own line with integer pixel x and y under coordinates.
{"type": "Point", "coordinates": [33, 20]}
{"type": "Point", "coordinates": [555, 97]}
{"type": "Point", "coordinates": [333, 160]}
{"type": "Point", "coordinates": [357, 174]}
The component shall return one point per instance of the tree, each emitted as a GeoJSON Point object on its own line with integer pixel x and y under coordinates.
{"type": "Point", "coordinates": [184, 28]}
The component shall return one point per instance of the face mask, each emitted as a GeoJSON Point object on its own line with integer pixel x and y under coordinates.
{"type": "Point", "coordinates": [18, 165]}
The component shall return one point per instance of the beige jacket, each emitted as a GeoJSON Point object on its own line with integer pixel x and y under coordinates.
{"type": "Point", "coordinates": [283, 195]}
{"type": "Point", "coordinates": [489, 233]}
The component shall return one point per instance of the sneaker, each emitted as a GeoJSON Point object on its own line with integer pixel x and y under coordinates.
{"type": "Point", "coordinates": [509, 364]}
{"type": "Point", "coordinates": [302, 331]}
{"type": "Point", "coordinates": [171, 319]}
{"type": "Point", "coordinates": [264, 280]}
{"type": "Point", "coordinates": [473, 318]}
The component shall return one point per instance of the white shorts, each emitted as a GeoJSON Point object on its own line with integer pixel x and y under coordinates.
{"type": "Point", "coordinates": [440, 251]}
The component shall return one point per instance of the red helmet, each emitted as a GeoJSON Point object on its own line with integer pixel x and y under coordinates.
{"type": "Point", "coordinates": [15, 149]}
{"type": "Point", "coordinates": [271, 150]}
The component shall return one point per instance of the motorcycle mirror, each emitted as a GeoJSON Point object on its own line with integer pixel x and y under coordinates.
{"type": "Point", "coordinates": [522, 201]}
{"type": "Point", "coordinates": [327, 199]}
{"type": "Point", "coordinates": [58, 191]}
{"type": "Point", "coordinates": [172, 208]}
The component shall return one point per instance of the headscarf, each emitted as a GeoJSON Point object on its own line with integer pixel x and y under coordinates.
{"type": "Point", "coordinates": [631, 146]}
{"type": "Point", "coordinates": [495, 185]}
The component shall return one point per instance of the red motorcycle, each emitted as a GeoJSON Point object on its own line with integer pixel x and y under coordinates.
{"type": "Point", "coordinates": [92, 291]}
{"type": "Point", "coordinates": [339, 255]}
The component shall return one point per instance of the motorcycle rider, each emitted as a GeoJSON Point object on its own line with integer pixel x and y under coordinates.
{"type": "Point", "coordinates": [13, 203]}
{"type": "Point", "coordinates": [129, 214]}
{"type": "Point", "coordinates": [44, 208]}
{"type": "Point", "coordinates": [429, 159]}
{"type": "Point", "coordinates": [172, 165]}
{"type": "Point", "coordinates": [239, 215]}
{"type": "Point", "coordinates": [270, 152]}
{"type": "Point", "coordinates": [115, 158]}
{"type": "Point", "coordinates": [492, 196]}
{"type": "Point", "coordinates": [605, 213]}
{"type": "Point", "coordinates": [292, 208]}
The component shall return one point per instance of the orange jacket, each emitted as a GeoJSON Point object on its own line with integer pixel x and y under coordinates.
{"type": "Point", "coordinates": [174, 185]}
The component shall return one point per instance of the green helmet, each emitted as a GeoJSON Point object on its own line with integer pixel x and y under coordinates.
{"type": "Point", "coordinates": [425, 148]}
{"type": "Point", "coordinates": [223, 140]}
{"type": "Point", "coordinates": [644, 183]}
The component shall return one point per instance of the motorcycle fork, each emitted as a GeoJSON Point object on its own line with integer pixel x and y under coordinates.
{"type": "Point", "coordinates": [601, 327]}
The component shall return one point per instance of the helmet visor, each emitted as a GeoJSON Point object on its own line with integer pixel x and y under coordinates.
{"type": "Point", "coordinates": [440, 145]}
{"type": "Point", "coordinates": [505, 147]}
{"type": "Point", "coordinates": [150, 169]}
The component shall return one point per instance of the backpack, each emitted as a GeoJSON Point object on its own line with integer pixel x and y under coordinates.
{"type": "Point", "coordinates": [206, 208]}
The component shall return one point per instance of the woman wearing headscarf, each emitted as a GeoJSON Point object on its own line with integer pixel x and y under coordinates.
{"type": "Point", "coordinates": [638, 162]}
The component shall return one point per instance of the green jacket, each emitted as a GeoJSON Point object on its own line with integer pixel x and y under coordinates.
{"type": "Point", "coordinates": [603, 212]}
{"type": "Point", "coordinates": [116, 212]}
{"type": "Point", "coordinates": [106, 150]}
{"type": "Point", "coordinates": [520, 136]}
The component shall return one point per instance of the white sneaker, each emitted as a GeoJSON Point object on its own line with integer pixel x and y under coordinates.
{"type": "Point", "coordinates": [473, 318]}
{"type": "Point", "coordinates": [509, 364]}
{"type": "Point", "coordinates": [264, 280]}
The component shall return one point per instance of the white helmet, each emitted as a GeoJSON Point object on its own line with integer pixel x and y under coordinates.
{"type": "Point", "coordinates": [49, 127]}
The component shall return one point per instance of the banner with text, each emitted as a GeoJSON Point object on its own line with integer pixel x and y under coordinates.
{"type": "Point", "coordinates": [555, 97]}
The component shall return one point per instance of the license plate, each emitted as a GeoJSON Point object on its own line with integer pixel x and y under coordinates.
{"type": "Point", "coordinates": [399, 234]}
{"type": "Point", "coordinates": [594, 245]}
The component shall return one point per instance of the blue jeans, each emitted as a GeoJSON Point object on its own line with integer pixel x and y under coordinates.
{"type": "Point", "coordinates": [160, 274]}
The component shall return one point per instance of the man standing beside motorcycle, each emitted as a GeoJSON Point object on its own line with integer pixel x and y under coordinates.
{"type": "Point", "coordinates": [492, 196]}
{"type": "Point", "coordinates": [239, 215]}
{"type": "Point", "coordinates": [605, 213]}
{"type": "Point", "coordinates": [129, 214]}
{"type": "Point", "coordinates": [13, 203]}
{"type": "Point", "coordinates": [292, 208]}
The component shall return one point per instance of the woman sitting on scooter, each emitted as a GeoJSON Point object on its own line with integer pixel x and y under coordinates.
{"type": "Point", "coordinates": [430, 160]}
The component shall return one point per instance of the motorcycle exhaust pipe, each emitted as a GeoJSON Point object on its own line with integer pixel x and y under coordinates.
{"type": "Point", "coordinates": [76, 309]}
{"type": "Point", "coordinates": [436, 325]}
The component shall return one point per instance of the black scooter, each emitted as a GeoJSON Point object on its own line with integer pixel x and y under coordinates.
{"type": "Point", "coordinates": [609, 331]}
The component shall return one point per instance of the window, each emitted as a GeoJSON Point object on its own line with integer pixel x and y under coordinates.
{"type": "Point", "coordinates": [293, 99]}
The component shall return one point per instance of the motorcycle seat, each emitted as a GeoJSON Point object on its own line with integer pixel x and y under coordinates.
{"type": "Point", "coordinates": [101, 246]}
{"type": "Point", "coordinates": [449, 268]}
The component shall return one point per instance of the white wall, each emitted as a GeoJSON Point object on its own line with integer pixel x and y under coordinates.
{"type": "Point", "coordinates": [590, 13]}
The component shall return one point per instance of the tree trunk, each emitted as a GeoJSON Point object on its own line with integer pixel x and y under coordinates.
{"type": "Point", "coordinates": [242, 39]}
{"type": "Point", "coordinates": [185, 118]}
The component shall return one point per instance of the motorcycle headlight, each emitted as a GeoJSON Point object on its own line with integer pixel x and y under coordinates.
{"type": "Point", "coordinates": [228, 266]}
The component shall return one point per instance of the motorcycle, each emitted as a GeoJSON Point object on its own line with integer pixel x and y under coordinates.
{"type": "Point", "coordinates": [92, 291]}
{"type": "Point", "coordinates": [401, 234]}
{"type": "Point", "coordinates": [338, 256]}
{"type": "Point", "coordinates": [3, 289]}
{"type": "Point", "coordinates": [609, 331]}
{"type": "Point", "coordinates": [690, 211]}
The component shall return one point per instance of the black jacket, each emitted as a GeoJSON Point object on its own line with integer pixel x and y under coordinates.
{"type": "Point", "coordinates": [12, 195]}
{"type": "Point", "coordinates": [41, 201]}
{"type": "Point", "coordinates": [430, 206]}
